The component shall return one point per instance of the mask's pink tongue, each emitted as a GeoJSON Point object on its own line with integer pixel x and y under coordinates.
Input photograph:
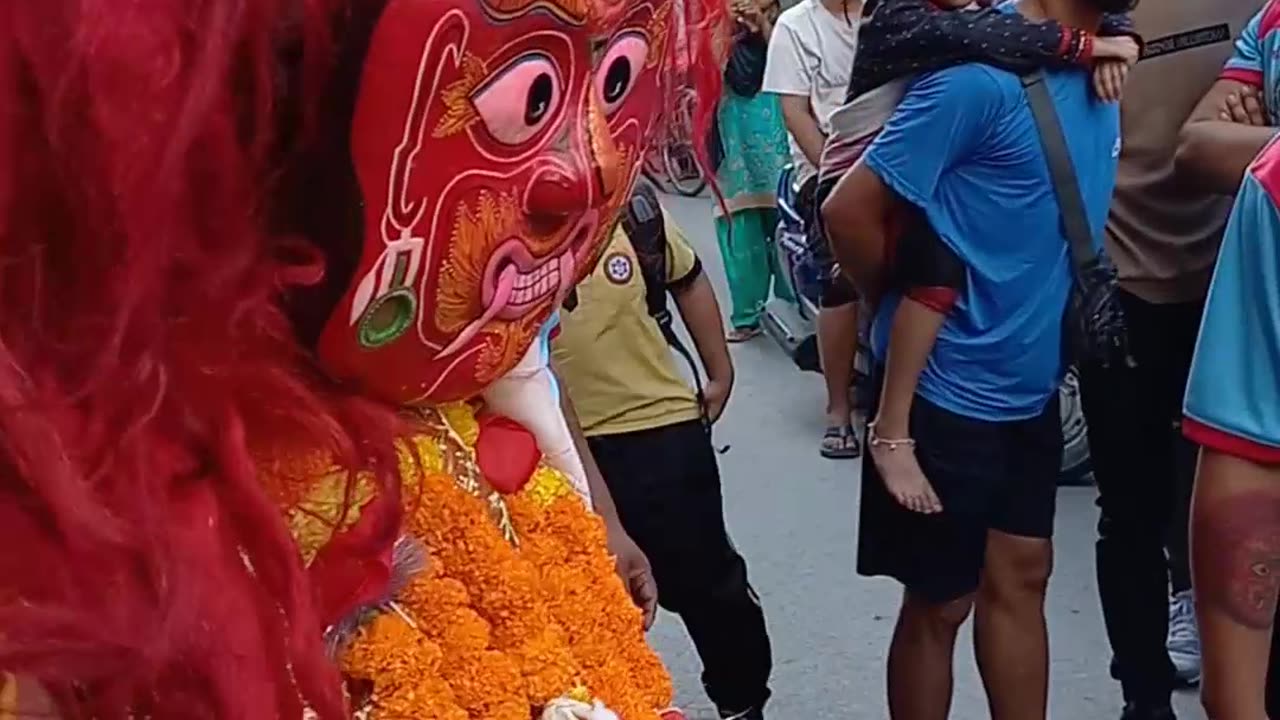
{"type": "Point", "coordinates": [502, 290]}
{"type": "Point", "coordinates": [501, 296]}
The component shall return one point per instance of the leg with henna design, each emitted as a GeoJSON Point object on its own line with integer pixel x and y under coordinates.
{"type": "Point", "coordinates": [1235, 546]}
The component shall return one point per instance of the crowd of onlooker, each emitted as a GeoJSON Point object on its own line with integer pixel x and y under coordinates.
{"type": "Point", "coordinates": [994, 194]}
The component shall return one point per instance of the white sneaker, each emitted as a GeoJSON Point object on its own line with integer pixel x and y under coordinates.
{"type": "Point", "coordinates": [1184, 638]}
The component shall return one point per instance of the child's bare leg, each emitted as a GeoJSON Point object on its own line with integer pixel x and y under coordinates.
{"type": "Point", "coordinates": [915, 329]}
{"type": "Point", "coordinates": [1235, 548]}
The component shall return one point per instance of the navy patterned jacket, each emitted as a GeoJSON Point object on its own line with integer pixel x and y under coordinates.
{"type": "Point", "coordinates": [904, 37]}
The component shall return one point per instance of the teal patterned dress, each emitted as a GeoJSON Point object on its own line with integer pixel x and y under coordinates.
{"type": "Point", "coordinates": [756, 150]}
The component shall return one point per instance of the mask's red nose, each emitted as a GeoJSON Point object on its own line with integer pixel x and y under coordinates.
{"type": "Point", "coordinates": [590, 174]}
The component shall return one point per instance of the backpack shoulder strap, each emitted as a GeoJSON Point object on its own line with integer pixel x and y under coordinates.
{"type": "Point", "coordinates": [644, 226]}
{"type": "Point", "coordinates": [646, 229]}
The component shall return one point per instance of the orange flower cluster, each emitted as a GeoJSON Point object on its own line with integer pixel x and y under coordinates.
{"type": "Point", "coordinates": [407, 667]}
{"type": "Point", "coordinates": [565, 543]}
{"type": "Point", "coordinates": [494, 630]}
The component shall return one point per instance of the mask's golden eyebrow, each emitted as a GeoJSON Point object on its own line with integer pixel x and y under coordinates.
{"type": "Point", "coordinates": [651, 18]}
{"type": "Point", "coordinates": [657, 31]}
{"type": "Point", "coordinates": [459, 111]}
{"type": "Point", "coordinates": [571, 12]}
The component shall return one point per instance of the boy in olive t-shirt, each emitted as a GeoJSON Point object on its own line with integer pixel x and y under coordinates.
{"type": "Point", "coordinates": [650, 439]}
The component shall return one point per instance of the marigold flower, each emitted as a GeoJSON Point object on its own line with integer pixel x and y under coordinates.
{"type": "Point", "coordinates": [494, 631]}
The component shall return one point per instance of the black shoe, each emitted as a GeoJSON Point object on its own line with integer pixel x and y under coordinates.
{"type": "Point", "coordinates": [1134, 711]}
{"type": "Point", "coordinates": [753, 714]}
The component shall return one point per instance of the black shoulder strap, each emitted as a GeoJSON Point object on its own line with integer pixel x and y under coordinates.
{"type": "Point", "coordinates": [1075, 221]}
{"type": "Point", "coordinates": [647, 232]}
{"type": "Point", "coordinates": [646, 229]}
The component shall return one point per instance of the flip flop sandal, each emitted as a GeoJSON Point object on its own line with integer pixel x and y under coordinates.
{"type": "Point", "coordinates": [847, 446]}
{"type": "Point", "coordinates": [743, 334]}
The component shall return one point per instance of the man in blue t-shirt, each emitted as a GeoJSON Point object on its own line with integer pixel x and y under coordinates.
{"type": "Point", "coordinates": [963, 147]}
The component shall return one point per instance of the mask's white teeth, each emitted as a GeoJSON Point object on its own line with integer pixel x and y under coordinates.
{"type": "Point", "coordinates": [526, 280]}
{"type": "Point", "coordinates": [532, 285]}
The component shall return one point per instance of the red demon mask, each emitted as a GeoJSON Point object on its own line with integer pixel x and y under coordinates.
{"type": "Point", "coordinates": [494, 142]}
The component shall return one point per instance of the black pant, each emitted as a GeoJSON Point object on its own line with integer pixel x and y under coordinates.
{"type": "Point", "coordinates": [666, 484]}
{"type": "Point", "coordinates": [989, 476]}
{"type": "Point", "coordinates": [1144, 469]}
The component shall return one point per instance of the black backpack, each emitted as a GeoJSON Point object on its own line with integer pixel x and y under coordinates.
{"type": "Point", "coordinates": [646, 229]}
{"type": "Point", "coordinates": [643, 223]}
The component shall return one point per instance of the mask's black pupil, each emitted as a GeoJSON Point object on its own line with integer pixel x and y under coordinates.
{"type": "Point", "coordinates": [538, 101]}
{"type": "Point", "coordinates": [617, 79]}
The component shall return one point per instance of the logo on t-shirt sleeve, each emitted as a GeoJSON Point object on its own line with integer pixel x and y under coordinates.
{"type": "Point", "coordinates": [618, 268]}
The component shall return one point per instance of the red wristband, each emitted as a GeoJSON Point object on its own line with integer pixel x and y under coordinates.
{"type": "Point", "coordinates": [1085, 55]}
{"type": "Point", "coordinates": [1066, 47]}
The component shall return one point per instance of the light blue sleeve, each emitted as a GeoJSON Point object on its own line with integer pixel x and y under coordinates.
{"type": "Point", "coordinates": [1234, 387]}
{"type": "Point", "coordinates": [1245, 63]}
{"type": "Point", "coordinates": [942, 120]}
{"type": "Point", "coordinates": [544, 349]}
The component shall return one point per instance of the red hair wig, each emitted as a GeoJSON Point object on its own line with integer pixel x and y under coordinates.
{"type": "Point", "coordinates": [694, 72]}
{"type": "Point", "coordinates": [144, 355]}
{"type": "Point", "coordinates": [146, 359]}
{"type": "Point", "coordinates": [705, 55]}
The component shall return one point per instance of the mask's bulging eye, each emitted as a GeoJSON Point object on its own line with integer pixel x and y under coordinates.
{"type": "Point", "coordinates": [519, 100]}
{"type": "Point", "coordinates": [537, 102]}
{"type": "Point", "coordinates": [619, 69]}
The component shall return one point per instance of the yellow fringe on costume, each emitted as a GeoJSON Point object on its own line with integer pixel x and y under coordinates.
{"type": "Point", "coordinates": [8, 697]}
{"type": "Point", "coordinates": [519, 605]}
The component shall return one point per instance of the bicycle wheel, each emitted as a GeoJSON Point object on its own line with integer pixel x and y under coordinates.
{"type": "Point", "coordinates": [657, 179]}
{"type": "Point", "coordinates": [678, 153]}
{"type": "Point", "coordinates": [682, 170]}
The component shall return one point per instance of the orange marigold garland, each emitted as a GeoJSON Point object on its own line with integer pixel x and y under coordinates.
{"type": "Point", "coordinates": [495, 629]}
{"type": "Point", "coordinates": [587, 598]}
{"type": "Point", "coordinates": [406, 666]}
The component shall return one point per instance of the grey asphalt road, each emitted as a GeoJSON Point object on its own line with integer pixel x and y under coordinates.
{"type": "Point", "coordinates": [793, 514]}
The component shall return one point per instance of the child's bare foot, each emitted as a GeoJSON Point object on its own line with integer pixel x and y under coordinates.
{"type": "Point", "coordinates": [896, 462]}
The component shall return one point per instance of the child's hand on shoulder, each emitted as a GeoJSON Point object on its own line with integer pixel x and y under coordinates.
{"type": "Point", "coordinates": [1120, 47]}
{"type": "Point", "coordinates": [1109, 78]}
{"type": "Point", "coordinates": [1113, 56]}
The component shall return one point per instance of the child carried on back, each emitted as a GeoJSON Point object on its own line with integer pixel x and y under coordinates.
{"type": "Point", "coordinates": [898, 40]}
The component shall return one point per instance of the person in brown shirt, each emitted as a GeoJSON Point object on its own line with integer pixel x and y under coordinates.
{"type": "Point", "coordinates": [1163, 234]}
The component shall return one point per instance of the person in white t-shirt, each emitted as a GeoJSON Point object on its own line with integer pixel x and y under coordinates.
{"type": "Point", "coordinates": [810, 57]}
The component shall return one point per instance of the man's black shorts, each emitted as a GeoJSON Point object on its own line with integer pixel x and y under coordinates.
{"type": "Point", "coordinates": [989, 476]}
